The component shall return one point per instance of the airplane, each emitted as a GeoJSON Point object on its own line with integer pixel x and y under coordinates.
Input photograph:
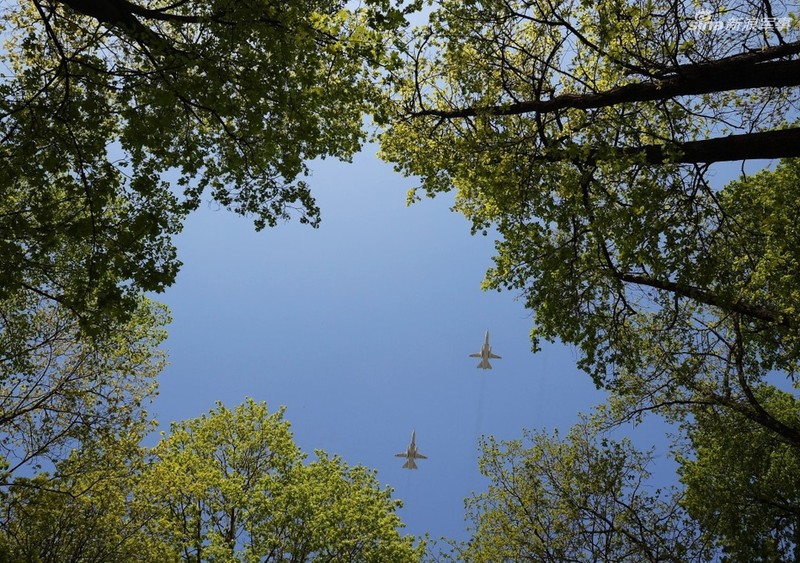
{"type": "Point", "coordinates": [485, 354]}
{"type": "Point", "coordinates": [411, 453]}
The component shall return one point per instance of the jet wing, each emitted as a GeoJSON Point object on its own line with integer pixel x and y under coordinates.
{"type": "Point", "coordinates": [494, 356]}
{"type": "Point", "coordinates": [420, 456]}
{"type": "Point", "coordinates": [401, 454]}
{"type": "Point", "coordinates": [478, 355]}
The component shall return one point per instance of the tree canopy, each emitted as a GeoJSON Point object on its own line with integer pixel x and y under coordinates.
{"type": "Point", "coordinates": [227, 486]}
{"type": "Point", "coordinates": [60, 387]}
{"type": "Point", "coordinates": [589, 136]}
{"type": "Point", "coordinates": [81, 510]}
{"type": "Point", "coordinates": [119, 118]}
{"type": "Point", "coordinates": [577, 498]}
{"type": "Point", "coordinates": [233, 485]}
{"type": "Point", "coordinates": [585, 134]}
{"type": "Point", "coordinates": [742, 480]}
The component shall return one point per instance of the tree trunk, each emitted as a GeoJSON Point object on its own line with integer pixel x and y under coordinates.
{"type": "Point", "coordinates": [734, 73]}
{"type": "Point", "coordinates": [783, 143]}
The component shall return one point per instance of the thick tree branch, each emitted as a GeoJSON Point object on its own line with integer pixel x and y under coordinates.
{"type": "Point", "coordinates": [781, 143]}
{"type": "Point", "coordinates": [118, 14]}
{"type": "Point", "coordinates": [769, 145]}
{"type": "Point", "coordinates": [759, 413]}
{"type": "Point", "coordinates": [705, 78]}
{"type": "Point", "coordinates": [704, 296]}
{"type": "Point", "coordinates": [124, 15]}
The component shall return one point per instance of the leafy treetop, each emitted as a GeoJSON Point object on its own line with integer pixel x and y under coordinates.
{"type": "Point", "coordinates": [119, 117]}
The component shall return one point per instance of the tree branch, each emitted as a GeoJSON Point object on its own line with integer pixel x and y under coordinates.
{"type": "Point", "coordinates": [781, 143]}
{"type": "Point", "coordinates": [733, 73]}
{"type": "Point", "coordinates": [703, 296]}
{"type": "Point", "coordinates": [118, 14]}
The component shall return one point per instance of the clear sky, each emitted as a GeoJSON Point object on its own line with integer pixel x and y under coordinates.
{"type": "Point", "coordinates": [362, 329]}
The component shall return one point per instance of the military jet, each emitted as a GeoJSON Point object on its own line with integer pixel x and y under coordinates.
{"type": "Point", "coordinates": [485, 354]}
{"type": "Point", "coordinates": [411, 453]}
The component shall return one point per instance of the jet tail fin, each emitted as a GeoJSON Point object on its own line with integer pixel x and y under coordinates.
{"type": "Point", "coordinates": [409, 464]}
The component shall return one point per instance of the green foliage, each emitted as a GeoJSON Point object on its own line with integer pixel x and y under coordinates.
{"type": "Point", "coordinates": [743, 482]}
{"type": "Point", "coordinates": [736, 322]}
{"type": "Point", "coordinates": [119, 118]}
{"type": "Point", "coordinates": [581, 498]}
{"type": "Point", "coordinates": [586, 135]}
{"type": "Point", "coordinates": [577, 131]}
{"type": "Point", "coordinates": [758, 251]}
{"type": "Point", "coordinates": [231, 486]}
{"type": "Point", "coordinates": [337, 512]}
{"type": "Point", "coordinates": [208, 471]}
{"type": "Point", "coordinates": [227, 486]}
{"type": "Point", "coordinates": [685, 305]}
{"type": "Point", "coordinates": [703, 364]}
{"type": "Point", "coordinates": [79, 513]}
{"type": "Point", "coordinates": [74, 403]}
{"type": "Point", "coordinates": [60, 387]}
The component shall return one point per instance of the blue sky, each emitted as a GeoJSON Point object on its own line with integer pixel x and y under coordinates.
{"type": "Point", "coordinates": [362, 329]}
